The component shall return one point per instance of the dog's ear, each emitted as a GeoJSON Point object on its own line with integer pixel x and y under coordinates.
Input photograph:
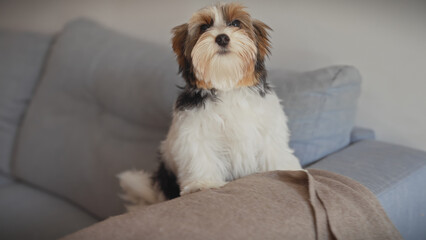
{"type": "Point", "coordinates": [180, 35]}
{"type": "Point", "coordinates": [262, 38]}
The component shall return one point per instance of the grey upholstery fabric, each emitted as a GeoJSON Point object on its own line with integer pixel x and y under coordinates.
{"type": "Point", "coordinates": [320, 106]}
{"type": "Point", "coordinates": [396, 174]}
{"type": "Point", "coordinates": [4, 180]}
{"type": "Point", "coordinates": [102, 107]}
{"type": "Point", "coordinates": [359, 134]}
{"type": "Point", "coordinates": [21, 59]}
{"type": "Point", "coordinates": [27, 213]}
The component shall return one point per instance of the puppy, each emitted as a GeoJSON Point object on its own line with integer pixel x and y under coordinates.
{"type": "Point", "coordinates": [227, 121]}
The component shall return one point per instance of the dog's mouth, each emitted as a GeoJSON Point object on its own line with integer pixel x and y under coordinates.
{"type": "Point", "coordinates": [223, 51]}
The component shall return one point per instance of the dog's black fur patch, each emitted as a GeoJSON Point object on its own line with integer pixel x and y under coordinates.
{"type": "Point", "coordinates": [192, 97]}
{"type": "Point", "coordinates": [188, 74]}
{"type": "Point", "coordinates": [167, 182]}
{"type": "Point", "coordinates": [262, 86]}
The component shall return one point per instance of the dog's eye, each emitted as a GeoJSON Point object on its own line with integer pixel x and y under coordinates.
{"type": "Point", "coordinates": [235, 23]}
{"type": "Point", "coordinates": [204, 27]}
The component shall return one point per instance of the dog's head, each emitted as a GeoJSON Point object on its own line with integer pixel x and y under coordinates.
{"type": "Point", "coordinates": [221, 47]}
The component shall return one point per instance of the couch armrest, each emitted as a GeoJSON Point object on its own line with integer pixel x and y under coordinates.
{"type": "Point", "coordinates": [359, 134]}
{"type": "Point", "coordinates": [396, 174]}
{"type": "Point", "coordinates": [373, 163]}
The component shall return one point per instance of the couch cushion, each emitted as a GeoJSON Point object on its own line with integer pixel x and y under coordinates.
{"type": "Point", "coordinates": [320, 106]}
{"type": "Point", "coordinates": [396, 174]}
{"type": "Point", "coordinates": [102, 107]}
{"type": "Point", "coordinates": [27, 213]}
{"type": "Point", "coordinates": [21, 59]}
{"type": "Point", "coordinates": [360, 134]}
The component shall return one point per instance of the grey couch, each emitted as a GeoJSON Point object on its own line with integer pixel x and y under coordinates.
{"type": "Point", "coordinates": [81, 106]}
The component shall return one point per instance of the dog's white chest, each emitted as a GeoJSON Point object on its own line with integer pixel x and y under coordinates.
{"type": "Point", "coordinates": [240, 126]}
{"type": "Point", "coordinates": [238, 134]}
{"type": "Point", "coordinates": [237, 118]}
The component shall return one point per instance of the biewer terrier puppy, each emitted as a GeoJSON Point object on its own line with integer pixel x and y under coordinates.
{"type": "Point", "coordinates": [227, 121]}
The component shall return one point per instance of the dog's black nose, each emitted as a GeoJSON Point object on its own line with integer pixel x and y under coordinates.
{"type": "Point", "coordinates": [222, 40]}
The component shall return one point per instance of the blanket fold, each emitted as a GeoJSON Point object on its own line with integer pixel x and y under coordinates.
{"type": "Point", "coordinates": [312, 204]}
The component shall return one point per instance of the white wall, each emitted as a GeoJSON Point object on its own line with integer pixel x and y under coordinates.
{"type": "Point", "coordinates": [385, 39]}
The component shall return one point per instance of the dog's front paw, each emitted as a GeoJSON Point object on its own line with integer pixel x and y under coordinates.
{"type": "Point", "coordinates": [200, 185]}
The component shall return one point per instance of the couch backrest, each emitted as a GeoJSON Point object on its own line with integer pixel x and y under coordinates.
{"type": "Point", "coordinates": [104, 104]}
{"type": "Point", "coordinates": [102, 107]}
{"type": "Point", "coordinates": [321, 108]}
{"type": "Point", "coordinates": [21, 59]}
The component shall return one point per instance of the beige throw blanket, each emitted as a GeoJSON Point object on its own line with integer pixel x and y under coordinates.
{"type": "Point", "coordinates": [274, 205]}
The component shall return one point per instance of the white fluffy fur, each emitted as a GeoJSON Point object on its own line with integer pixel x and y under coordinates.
{"type": "Point", "coordinates": [238, 135]}
{"type": "Point", "coordinates": [138, 189]}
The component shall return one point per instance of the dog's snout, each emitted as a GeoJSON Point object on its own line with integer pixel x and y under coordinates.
{"type": "Point", "coordinates": [222, 40]}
